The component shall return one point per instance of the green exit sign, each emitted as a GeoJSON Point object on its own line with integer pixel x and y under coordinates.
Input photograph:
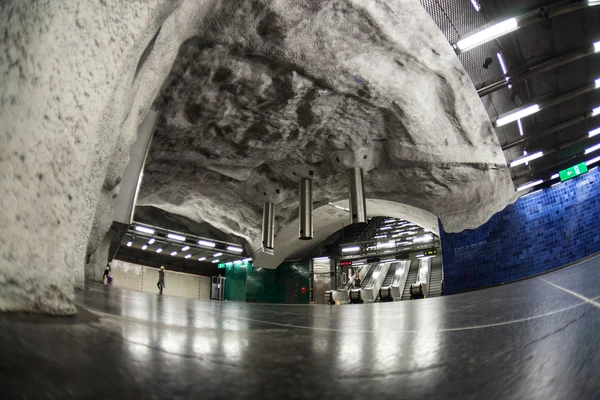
{"type": "Point", "coordinates": [573, 171]}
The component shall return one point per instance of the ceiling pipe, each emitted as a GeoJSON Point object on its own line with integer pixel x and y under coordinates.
{"type": "Point", "coordinates": [305, 217]}
{"type": "Point", "coordinates": [268, 226]}
{"type": "Point", "coordinates": [548, 103]}
{"type": "Point", "coordinates": [356, 191]}
{"type": "Point", "coordinates": [546, 66]}
{"type": "Point", "coordinates": [529, 18]}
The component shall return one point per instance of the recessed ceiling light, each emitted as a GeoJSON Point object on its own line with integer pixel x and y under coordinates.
{"type": "Point", "coordinates": [235, 249]}
{"type": "Point", "coordinates": [144, 229]}
{"type": "Point", "coordinates": [186, 248]}
{"type": "Point", "coordinates": [176, 237]}
{"type": "Point", "coordinates": [206, 243]}
{"type": "Point", "coordinates": [188, 256]}
{"type": "Point", "coordinates": [215, 261]}
{"type": "Point", "coordinates": [202, 259]}
{"type": "Point", "coordinates": [129, 243]}
{"type": "Point", "coordinates": [173, 253]}
{"type": "Point", "coordinates": [488, 34]}
{"type": "Point", "coordinates": [217, 254]}
{"type": "Point", "coordinates": [151, 241]}
{"type": "Point", "coordinates": [529, 185]}
{"type": "Point", "coordinates": [517, 115]}
{"type": "Point", "coordinates": [158, 250]}
{"type": "Point", "coordinates": [144, 247]}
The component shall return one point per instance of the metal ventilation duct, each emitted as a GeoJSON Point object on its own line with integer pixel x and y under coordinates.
{"type": "Point", "coordinates": [305, 223]}
{"type": "Point", "coordinates": [356, 189]}
{"type": "Point", "coordinates": [268, 226]}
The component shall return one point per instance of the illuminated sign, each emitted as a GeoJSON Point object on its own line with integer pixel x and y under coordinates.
{"type": "Point", "coordinates": [345, 263]}
{"type": "Point", "coordinates": [430, 252]}
{"type": "Point", "coordinates": [573, 171]}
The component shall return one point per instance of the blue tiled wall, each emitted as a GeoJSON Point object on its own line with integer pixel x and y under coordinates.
{"type": "Point", "coordinates": [541, 231]}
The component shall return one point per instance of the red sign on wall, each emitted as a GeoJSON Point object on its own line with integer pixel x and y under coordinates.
{"type": "Point", "coordinates": [303, 290]}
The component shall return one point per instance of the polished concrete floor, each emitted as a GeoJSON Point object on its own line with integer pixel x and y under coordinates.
{"type": "Point", "coordinates": [535, 339]}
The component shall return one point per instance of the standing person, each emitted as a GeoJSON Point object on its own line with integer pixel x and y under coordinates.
{"type": "Point", "coordinates": [357, 280]}
{"type": "Point", "coordinates": [106, 273]}
{"type": "Point", "coordinates": [161, 279]}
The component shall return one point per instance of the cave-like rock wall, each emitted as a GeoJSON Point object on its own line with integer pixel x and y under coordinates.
{"type": "Point", "coordinates": [273, 91]}
{"type": "Point", "coordinates": [283, 88]}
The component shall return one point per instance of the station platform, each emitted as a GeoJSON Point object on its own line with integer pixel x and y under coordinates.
{"type": "Point", "coordinates": [534, 339]}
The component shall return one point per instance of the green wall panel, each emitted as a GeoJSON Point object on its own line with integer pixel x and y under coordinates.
{"type": "Point", "coordinates": [269, 286]}
{"type": "Point", "coordinates": [235, 282]}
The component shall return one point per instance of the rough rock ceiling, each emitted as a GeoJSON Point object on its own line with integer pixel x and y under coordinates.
{"type": "Point", "coordinates": [272, 91]}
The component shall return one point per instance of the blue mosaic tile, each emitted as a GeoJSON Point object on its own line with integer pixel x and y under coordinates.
{"type": "Point", "coordinates": [541, 231]}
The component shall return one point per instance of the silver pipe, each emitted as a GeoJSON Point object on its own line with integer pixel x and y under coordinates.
{"type": "Point", "coordinates": [356, 190]}
{"type": "Point", "coordinates": [305, 218]}
{"type": "Point", "coordinates": [268, 226]}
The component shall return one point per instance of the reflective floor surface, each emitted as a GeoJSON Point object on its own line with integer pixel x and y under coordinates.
{"type": "Point", "coordinates": [535, 339]}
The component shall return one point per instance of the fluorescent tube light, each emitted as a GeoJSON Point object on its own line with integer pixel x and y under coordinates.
{"type": "Point", "coordinates": [202, 259]}
{"type": "Point", "coordinates": [592, 161]}
{"type": "Point", "coordinates": [518, 115]}
{"type": "Point", "coordinates": [529, 185]}
{"type": "Point", "coordinates": [388, 260]}
{"type": "Point", "coordinates": [247, 260]}
{"type": "Point", "coordinates": [520, 124]}
{"type": "Point", "coordinates": [476, 5]}
{"type": "Point", "coordinates": [151, 241]}
{"type": "Point", "coordinates": [206, 243]}
{"type": "Point", "coordinates": [350, 249]}
{"type": "Point", "coordinates": [185, 248]}
{"type": "Point", "coordinates": [595, 111]}
{"type": "Point", "coordinates": [596, 47]}
{"type": "Point", "coordinates": [176, 237]}
{"type": "Point", "coordinates": [380, 237]}
{"type": "Point", "coordinates": [554, 176]}
{"type": "Point", "coordinates": [217, 254]}
{"type": "Point", "coordinates": [129, 243]}
{"type": "Point", "coordinates": [488, 34]}
{"type": "Point", "coordinates": [556, 184]}
{"type": "Point", "coordinates": [597, 83]}
{"type": "Point", "coordinates": [389, 221]}
{"type": "Point", "coordinates": [187, 256]}
{"type": "Point", "coordinates": [385, 228]}
{"type": "Point", "coordinates": [235, 249]}
{"type": "Point", "coordinates": [238, 262]}
{"type": "Point", "coordinates": [173, 253]}
{"type": "Point", "coordinates": [423, 239]}
{"type": "Point", "coordinates": [502, 64]}
{"type": "Point", "coordinates": [144, 229]}
{"type": "Point", "coordinates": [592, 149]}
{"type": "Point", "coordinates": [158, 250]}
{"type": "Point", "coordinates": [321, 259]}
{"type": "Point", "coordinates": [215, 261]}
{"type": "Point", "coordinates": [594, 132]}
{"type": "Point", "coordinates": [144, 247]}
{"type": "Point", "coordinates": [528, 158]}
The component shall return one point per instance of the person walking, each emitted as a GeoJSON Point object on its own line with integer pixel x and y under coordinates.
{"type": "Point", "coordinates": [161, 279]}
{"type": "Point", "coordinates": [106, 273]}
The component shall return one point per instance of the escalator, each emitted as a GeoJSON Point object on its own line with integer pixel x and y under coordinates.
{"type": "Point", "coordinates": [412, 278]}
{"type": "Point", "coordinates": [369, 288]}
{"type": "Point", "coordinates": [385, 292]}
{"type": "Point", "coordinates": [435, 279]}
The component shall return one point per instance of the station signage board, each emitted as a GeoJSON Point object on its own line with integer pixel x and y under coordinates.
{"type": "Point", "coordinates": [345, 263]}
{"type": "Point", "coordinates": [573, 171]}
{"type": "Point", "coordinates": [431, 252]}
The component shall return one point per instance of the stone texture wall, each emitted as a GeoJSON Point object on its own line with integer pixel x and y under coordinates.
{"type": "Point", "coordinates": [541, 231]}
{"type": "Point", "coordinates": [71, 104]}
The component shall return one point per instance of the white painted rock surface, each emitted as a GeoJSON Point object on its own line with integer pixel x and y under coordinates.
{"type": "Point", "coordinates": [261, 89]}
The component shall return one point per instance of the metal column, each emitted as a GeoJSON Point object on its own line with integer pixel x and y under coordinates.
{"type": "Point", "coordinates": [305, 218]}
{"type": "Point", "coordinates": [356, 189]}
{"type": "Point", "coordinates": [268, 226]}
